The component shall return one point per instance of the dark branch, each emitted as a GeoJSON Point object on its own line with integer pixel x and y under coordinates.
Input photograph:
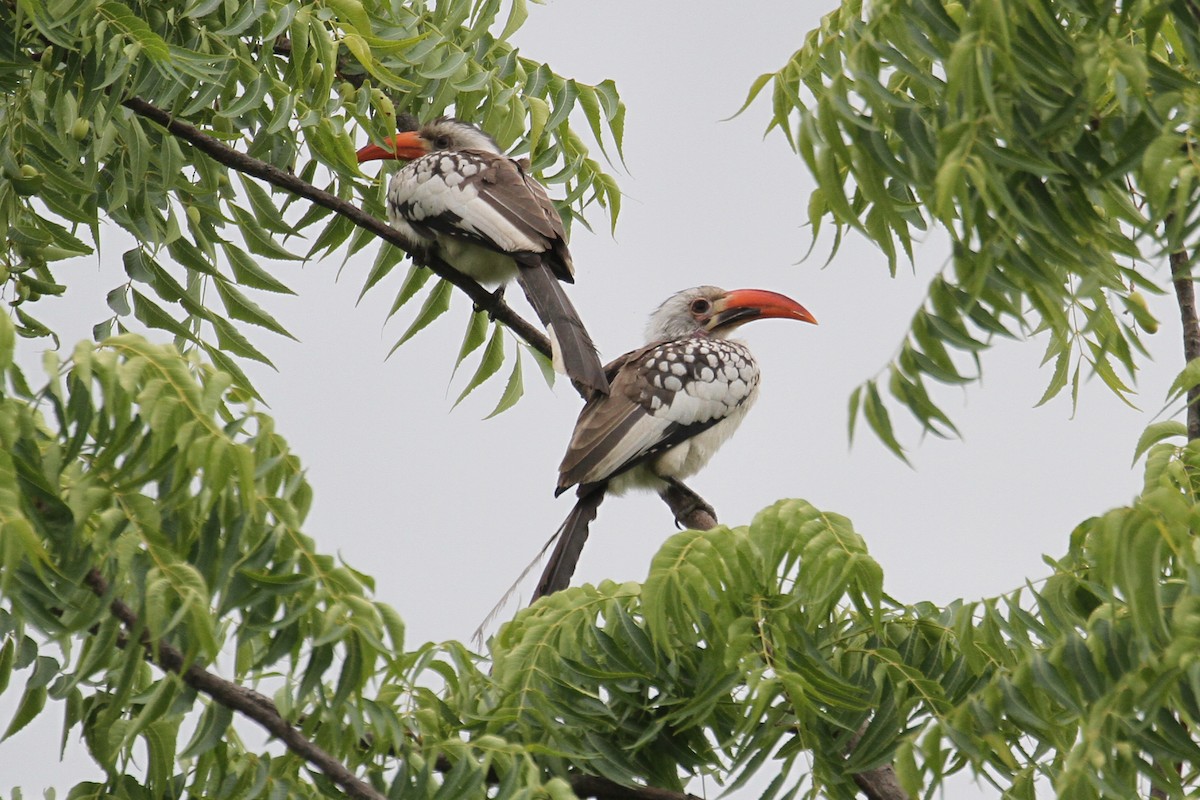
{"type": "Point", "coordinates": [482, 298]}
{"type": "Point", "coordinates": [594, 786]}
{"type": "Point", "coordinates": [1185, 293]}
{"type": "Point", "coordinates": [879, 783]}
{"type": "Point", "coordinates": [604, 789]}
{"type": "Point", "coordinates": [246, 701]}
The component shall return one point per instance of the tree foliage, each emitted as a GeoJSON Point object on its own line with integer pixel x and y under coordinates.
{"type": "Point", "coordinates": [153, 563]}
{"type": "Point", "coordinates": [1054, 143]}
{"type": "Point", "coordinates": [292, 84]}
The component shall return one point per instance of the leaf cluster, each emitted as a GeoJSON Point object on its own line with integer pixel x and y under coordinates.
{"type": "Point", "coordinates": [775, 643]}
{"type": "Point", "coordinates": [132, 461]}
{"type": "Point", "coordinates": [743, 645]}
{"type": "Point", "coordinates": [770, 644]}
{"type": "Point", "coordinates": [289, 82]}
{"type": "Point", "coordinates": [1054, 143]}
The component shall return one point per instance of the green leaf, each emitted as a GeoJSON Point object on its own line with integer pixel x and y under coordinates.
{"type": "Point", "coordinates": [257, 240]}
{"type": "Point", "coordinates": [265, 208]}
{"type": "Point", "coordinates": [436, 304]}
{"type": "Point", "coordinates": [880, 422]}
{"type": "Point", "coordinates": [7, 653]}
{"type": "Point", "coordinates": [416, 278]}
{"type": "Point", "coordinates": [244, 309]}
{"type": "Point", "coordinates": [512, 390]}
{"type": "Point", "coordinates": [31, 704]}
{"type": "Point", "coordinates": [150, 313]}
{"type": "Point", "coordinates": [1187, 379]}
{"type": "Point", "coordinates": [475, 336]}
{"type": "Point", "coordinates": [133, 26]}
{"type": "Point", "coordinates": [248, 273]}
{"type": "Point", "coordinates": [232, 341]}
{"type": "Point", "coordinates": [852, 413]}
{"type": "Point", "coordinates": [518, 13]}
{"type": "Point", "coordinates": [118, 300]}
{"type": "Point", "coordinates": [8, 341]}
{"type": "Point", "coordinates": [1157, 432]}
{"type": "Point", "coordinates": [210, 731]}
{"type": "Point", "coordinates": [385, 261]}
{"type": "Point", "coordinates": [1059, 379]}
{"type": "Point", "coordinates": [493, 357]}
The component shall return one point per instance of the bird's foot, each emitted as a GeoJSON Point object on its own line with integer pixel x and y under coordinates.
{"type": "Point", "coordinates": [498, 298]}
{"type": "Point", "coordinates": [689, 508]}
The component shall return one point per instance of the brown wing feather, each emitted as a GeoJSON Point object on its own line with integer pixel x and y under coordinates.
{"type": "Point", "coordinates": [604, 420]}
{"type": "Point", "coordinates": [560, 263]}
{"type": "Point", "coordinates": [524, 202]}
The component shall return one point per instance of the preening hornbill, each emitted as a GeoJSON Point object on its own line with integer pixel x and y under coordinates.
{"type": "Point", "coordinates": [486, 216]}
{"type": "Point", "coordinates": [672, 403]}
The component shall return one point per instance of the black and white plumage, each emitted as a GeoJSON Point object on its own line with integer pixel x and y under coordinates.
{"type": "Point", "coordinates": [485, 215]}
{"type": "Point", "coordinates": [672, 404]}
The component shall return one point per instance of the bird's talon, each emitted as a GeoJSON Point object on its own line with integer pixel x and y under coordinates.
{"type": "Point", "coordinates": [497, 299]}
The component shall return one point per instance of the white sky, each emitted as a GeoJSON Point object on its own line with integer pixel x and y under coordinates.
{"type": "Point", "coordinates": [445, 509]}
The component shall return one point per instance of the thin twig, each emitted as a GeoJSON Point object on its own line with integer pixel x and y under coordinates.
{"type": "Point", "coordinates": [222, 153]}
{"type": "Point", "coordinates": [248, 702]}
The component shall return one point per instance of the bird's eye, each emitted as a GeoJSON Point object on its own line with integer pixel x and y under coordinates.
{"type": "Point", "coordinates": [701, 306]}
{"type": "Point", "coordinates": [442, 142]}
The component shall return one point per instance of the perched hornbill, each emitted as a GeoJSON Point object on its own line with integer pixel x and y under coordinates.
{"type": "Point", "coordinates": [672, 403]}
{"type": "Point", "coordinates": [485, 215]}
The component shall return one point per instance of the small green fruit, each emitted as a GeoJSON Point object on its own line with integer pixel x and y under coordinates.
{"type": "Point", "coordinates": [1141, 312]}
{"type": "Point", "coordinates": [80, 129]}
{"type": "Point", "coordinates": [28, 181]}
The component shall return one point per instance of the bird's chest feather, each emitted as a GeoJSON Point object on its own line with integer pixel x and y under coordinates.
{"type": "Point", "coordinates": [703, 384]}
{"type": "Point", "coordinates": [690, 456]}
{"type": "Point", "coordinates": [696, 380]}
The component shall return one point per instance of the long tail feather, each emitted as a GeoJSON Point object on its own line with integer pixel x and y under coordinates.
{"type": "Point", "coordinates": [574, 352]}
{"type": "Point", "coordinates": [572, 536]}
{"type": "Point", "coordinates": [510, 593]}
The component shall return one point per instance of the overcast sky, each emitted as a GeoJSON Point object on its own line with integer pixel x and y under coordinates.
{"type": "Point", "coordinates": [445, 509]}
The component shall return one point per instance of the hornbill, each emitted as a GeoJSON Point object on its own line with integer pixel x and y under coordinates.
{"type": "Point", "coordinates": [485, 215]}
{"type": "Point", "coordinates": [672, 404]}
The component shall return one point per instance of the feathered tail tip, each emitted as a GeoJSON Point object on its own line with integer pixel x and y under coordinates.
{"type": "Point", "coordinates": [510, 594]}
{"type": "Point", "coordinates": [571, 536]}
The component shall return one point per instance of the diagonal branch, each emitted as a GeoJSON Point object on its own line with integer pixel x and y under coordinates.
{"type": "Point", "coordinates": [239, 698]}
{"type": "Point", "coordinates": [235, 160]}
